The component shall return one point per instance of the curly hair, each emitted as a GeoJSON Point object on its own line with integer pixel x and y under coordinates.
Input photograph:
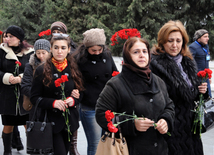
{"type": "Point", "coordinates": [163, 34]}
{"type": "Point", "coordinates": [75, 73]}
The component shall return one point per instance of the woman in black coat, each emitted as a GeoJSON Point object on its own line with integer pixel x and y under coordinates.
{"type": "Point", "coordinates": [59, 63]}
{"type": "Point", "coordinates": [137, 90]}
{"type": "Point", "coordinates": [96, 65]}
{"type": "Point", "coordinates": [174, 64]}
{"type": "Point", "coordinates": [14, 51]}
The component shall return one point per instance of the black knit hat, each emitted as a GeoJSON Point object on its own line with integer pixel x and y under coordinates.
{"type": "Point", "coordinates": [42, 44]}
{"type": "Point", "coordinates": [199, 33]}
{"type": "Point", "coordinates": [16, 31]}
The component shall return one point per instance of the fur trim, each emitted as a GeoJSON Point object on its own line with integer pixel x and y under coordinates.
{"type": "Point", "coordinates": [168, 70]}
{"type": "Point", "coordinates": [34, 61]}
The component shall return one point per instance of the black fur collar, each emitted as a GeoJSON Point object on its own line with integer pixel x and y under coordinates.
{"type": "Point", "coordinates": [168, 70]}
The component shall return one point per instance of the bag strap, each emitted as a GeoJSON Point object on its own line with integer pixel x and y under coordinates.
{"type": "Point", "coordinates": [36, 106]}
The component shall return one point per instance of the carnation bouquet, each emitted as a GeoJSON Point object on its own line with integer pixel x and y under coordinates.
{"type": "Point", "coordinates": [61, 82]}
{"type": "Point", "coordinates": [199, 109]}
{"type": "Point", "coordinates": [118, 39]}
{"type": "Point", "coordinates": [45, 33]}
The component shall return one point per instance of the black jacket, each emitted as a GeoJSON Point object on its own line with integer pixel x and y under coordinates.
{"type": "Point", "coordinates": [52, 93]}
{"type": "Point", "coordinates": [182, 141]}
{"type": "Point", "coordinates": [127, 92]}
{"type": "Point", "coordinates": [96, 72]}
{"type": "Point", "coordinates": [7, 67]}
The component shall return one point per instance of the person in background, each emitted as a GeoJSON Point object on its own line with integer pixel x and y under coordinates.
{"type": "Point", "coordinates": [16, 52]}
{"type": "Point", "coordinates": [42, 50]}
{"type": "Point", "coordinates": [43, 87]}
{"type": "Point", "coordinates": [96, 65]}
{"type": "Point", "coordinates": [200, 51]}
{"type": "Point", "coordinates": [173, 63]}
{"type": "Point", "coordinates": [137, 90]}
{"type": "Point", "coordinates": [60, 27]}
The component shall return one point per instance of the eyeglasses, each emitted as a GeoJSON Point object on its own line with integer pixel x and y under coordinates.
{"type": "Point", "coordinates": [60, 35]}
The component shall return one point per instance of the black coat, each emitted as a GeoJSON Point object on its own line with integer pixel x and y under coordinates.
{"type": "Point", "coordinates": [7, 67]}
{"type": "Point", "coordinates": [52, 93]}
{"type": "Point", "coordinates": [96, 72]}
{"type": "Point", "coordinates": [182, 141]}
{"type": "Point", "coordinates": [127, 92]}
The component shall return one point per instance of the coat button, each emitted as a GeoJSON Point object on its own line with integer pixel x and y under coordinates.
{"type": "Point", "coordinates": [151, 100]}
{"type": "Point", "coordinates": [155, 144]}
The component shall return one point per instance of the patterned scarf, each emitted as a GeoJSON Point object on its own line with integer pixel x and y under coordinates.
{"type": "Point", "coordinates": [60, 66]}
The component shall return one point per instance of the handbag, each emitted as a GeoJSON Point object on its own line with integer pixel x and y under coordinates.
{"type": "Point", "coordinates": [39, 135]}
{"type": "Point", "coordinates": [208, 115]}
{"type": "Point", "coordinates": [27, 105]}
{"type": "Point", "coordinates": [112, 145]}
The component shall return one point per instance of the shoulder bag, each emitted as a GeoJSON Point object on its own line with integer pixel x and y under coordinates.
{"type": "Point", "coordinates": [27, 105]}
{"type": "Point", "coordinates": [112, 145]}
{"type": "Point", "coordinates": [208, 116]}
{"type": "Point", "coordinates": [39, 135]}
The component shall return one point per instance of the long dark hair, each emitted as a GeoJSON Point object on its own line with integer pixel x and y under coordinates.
{"type": "Point", "coordinates": [75, 73]}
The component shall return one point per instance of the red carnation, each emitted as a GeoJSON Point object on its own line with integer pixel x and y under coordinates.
{"type": "Point", "coordinates": [1, 32]}
{"type": "Point", "coordinates": [115, 73]}
{"type": "Point", "coordinates": [58, 82]}
{"type": "Point", "coordinates": [209, 72]}
{"type": "Point", "coordinates": [111, 127]}
{"type": "Point", "coordinates": [64, 78]}
{"type": "Point", "coordinates": [19, 63]}
{"type": "Point", "coordinates": [201, 74]}
{"type": "Point", "coordinates": [109, 115]}
{"type": "Point", "coordinates": [46, 32]}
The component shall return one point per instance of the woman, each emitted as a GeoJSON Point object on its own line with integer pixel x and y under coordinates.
{"type": "Point", "coordinates": [14, 51]}
{"type": "Point", "coordinates": [173, 62]}
{"type": "Point", "coordinates": [97, 65]}
{"type": "Point", "coordinates": [59, 63]}
{"type": "Point", "coordinates": [16, 139]}
{"type": "Point", "coordinates": [42, 49]}
{"type": "Point", "coordinates": [137, 90]}
{"type": "Point", "coordinates": [60, 27]}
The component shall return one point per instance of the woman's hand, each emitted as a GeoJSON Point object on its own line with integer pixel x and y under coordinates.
{"type": "Point", "coordinates": [75, 93]}
{"type": "Point", "coordinates": [162, 126]}
{"type": "Point", "coordinates": [69, 101]}
{"type": "Point", "coordinates": [203, 88]}
{"type": "Point", "coordinates": [60, 104]}
{"type": "Point", "coordinates": [142, 124]}
{"type": "Point", "coordinates": [15, 80]}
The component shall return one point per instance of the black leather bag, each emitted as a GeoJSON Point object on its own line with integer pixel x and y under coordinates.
{"type": "Point", "coordinates": [208, 116]}
{"type": "Point", "coordinates": [39, 135]}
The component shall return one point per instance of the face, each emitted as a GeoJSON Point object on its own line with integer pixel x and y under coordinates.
{"type": "Point", "coordinates": [56, 31]}
{"type": "Point", "coordinates": [4, 38]}
{"type": "Point", "coordinates": [60, 50]}
{"type": "Point", "coordinates": [139, 54]}
{"type": "Point", "coordinates": [174, 44]}
{"type": "Point", "coordinates": [204, 39]}
{"type": "Point", "coordinates": [95, 50]}
{"type": "Point", "coordinates": [42, 55]}
{"type": "Point", "coordinates": [12, 40]}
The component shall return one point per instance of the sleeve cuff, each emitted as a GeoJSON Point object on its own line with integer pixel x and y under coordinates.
{"type": "Point", "coordinates": [53, 103]}
{"type": "Point", "coordinates": [6, 77]}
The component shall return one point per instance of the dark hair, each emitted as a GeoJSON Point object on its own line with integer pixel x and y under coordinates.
{"type": "Point", "coordinates": [81, 52]}
{"type": "Point", "coordinates": [75, 73]}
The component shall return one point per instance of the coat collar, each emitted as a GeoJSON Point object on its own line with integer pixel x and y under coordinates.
{"type": "Point", "coordinates": [136, 84]}
{"type": "Point", "coordinates": [11, 55]}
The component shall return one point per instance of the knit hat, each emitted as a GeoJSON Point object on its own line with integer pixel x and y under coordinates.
{"type": "Point", "coordinates": [199, 33]}
{"type": "Point", "coordinates": [59, 26]}
{"type": "Point", "coordinates": [94, 37]}
{"type": "Point", "coordinates": [42, 44]}
{"type": "Point", "coordinates": [16, 31]}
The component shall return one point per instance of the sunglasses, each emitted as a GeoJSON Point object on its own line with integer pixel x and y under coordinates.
{"type": "Point", "coordinates": [60, 35]}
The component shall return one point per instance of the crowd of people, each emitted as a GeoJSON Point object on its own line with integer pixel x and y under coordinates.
{"type": "Point", "coordinates": [159, 85]}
